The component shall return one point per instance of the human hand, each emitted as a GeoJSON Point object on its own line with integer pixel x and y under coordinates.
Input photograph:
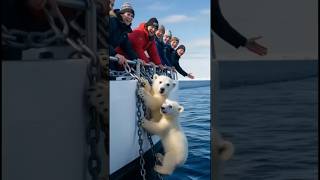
{"type": "Point", "coordinates": [255, 47]}
{"type": "Point", "coordinates": [190, 76]}
{"type": "Point", "coordinates": [142, 62]}
{"type": "Point", "coordinates": [161, 66]}
{"type": "Point", "coordinates": [121, 59]}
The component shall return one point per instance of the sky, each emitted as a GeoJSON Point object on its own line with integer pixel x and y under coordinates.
{"type": "Point", "coordinates": [188, 20]}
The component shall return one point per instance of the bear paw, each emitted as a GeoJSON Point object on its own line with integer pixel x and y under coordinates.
{"type": "Point", "coordinates": [159, 157]}
{"type": "Point", "coordinates": [162, 170]}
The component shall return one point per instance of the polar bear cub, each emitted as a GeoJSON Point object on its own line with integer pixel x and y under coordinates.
{"type": "Point", "coordinates": [154, 96]}
{"type": "Point", "coordinates": [173, 139]}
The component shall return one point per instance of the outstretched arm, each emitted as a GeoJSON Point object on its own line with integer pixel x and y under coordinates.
{"type": "Point", "coordinates": [223, 29]}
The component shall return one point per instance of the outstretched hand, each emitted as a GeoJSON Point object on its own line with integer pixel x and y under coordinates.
{"type": "Point", "coordinates": [255, 47]}
{"type": "Point", "coordinates": [190, 76]}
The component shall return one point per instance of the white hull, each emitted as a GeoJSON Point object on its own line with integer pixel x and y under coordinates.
{"type": "Point", "coordinates": [124, 146]}
{"type": "Point", "coordinates": [44, 121]}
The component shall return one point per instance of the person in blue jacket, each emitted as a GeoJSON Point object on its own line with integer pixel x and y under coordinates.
{"type": "Point", "coordinates": [161, 46]}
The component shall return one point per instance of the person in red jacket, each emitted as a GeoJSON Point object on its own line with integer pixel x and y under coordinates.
{"type": "Point", "coordinates": [142, 39]}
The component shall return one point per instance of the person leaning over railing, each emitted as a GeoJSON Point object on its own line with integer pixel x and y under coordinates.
{"type": "Point", "coordinates": [170, 50]}
{"type": "Point", "coordinates": [167, 49]}
{"type": "Point", "coordinates": [142, 39]}
{"type": "Point", "coordinates": [119, 27]}
{"type": "Point", "coordinates": [175, 57]}
{"type": "Point", "coordinates": [161, 46]}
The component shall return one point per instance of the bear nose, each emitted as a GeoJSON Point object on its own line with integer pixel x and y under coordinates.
{"type": "Point", "coordinates": [161, 90]}
{"type": "Point", "coordinates": [162, 108]}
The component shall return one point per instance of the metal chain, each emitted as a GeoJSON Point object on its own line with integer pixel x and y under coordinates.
{"type": "Point", "coordinates": [146, 114]}
{"type": "Point", "coordinates": [140, 140]}
{"type": "Point", "coordinates": [93, 134]}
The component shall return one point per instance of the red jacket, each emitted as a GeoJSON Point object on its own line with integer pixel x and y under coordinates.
{"type": "Point", "coordinates": [140, 42]}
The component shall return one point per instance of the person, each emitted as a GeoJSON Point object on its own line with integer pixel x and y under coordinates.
{"type": "Point", "coordinates": [224, 30]}
{"type": "Point", "coordinates": [143, 39]}
{"type": "Point", "coordinates": [167, 47]}
{"type": "Point", "coordinates": [160, 45]}
{"type": "Point", "coordinates": [119, 27]}
{"type": "Point", "coordinates": [175, 61]}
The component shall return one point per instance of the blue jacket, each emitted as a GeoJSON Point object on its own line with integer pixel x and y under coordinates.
{"type": "Point", "coordinates": [161, 51]}
{"type": "Point", "coordinates": [168, 51]}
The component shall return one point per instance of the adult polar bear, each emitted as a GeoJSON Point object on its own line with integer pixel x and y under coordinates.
{"type": "Point", "coordinates": [154, 96]}
{"type": "Point", "coordinates": [173, 139]}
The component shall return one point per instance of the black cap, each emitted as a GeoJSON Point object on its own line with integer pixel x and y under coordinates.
{"type": "Point", "coordinates": [152, 22]}
{"type": "Point", "coordinates": [181, 47]}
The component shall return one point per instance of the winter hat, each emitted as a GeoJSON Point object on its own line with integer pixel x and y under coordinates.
{"type": "Point", "coordinates": [181, 47]}
{"type": "Point", "coordinates": [126, 7]}
{"type": "Point", "coordinates": [152, 22]}
{"type": "Point", "coordinates": [168, 33]}
{"type": "Point", "coordinates": [162, 28]}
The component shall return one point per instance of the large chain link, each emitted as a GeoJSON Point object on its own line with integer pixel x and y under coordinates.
{"type": "Point", "coordinates": [140, 140]}
{"type": "Point", "coordinates": [93, 134]}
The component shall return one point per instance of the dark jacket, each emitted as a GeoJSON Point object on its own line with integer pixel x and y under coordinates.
{"type": "Point", "coordinates": [175, 63]}
{"type": "Point", "coordinates": [168, 51]}
{"type": "Point", "coordinates": [223, 29]}
{"type": "Point", "coordinates": [161, 51]}
{"type": "Point", "coordinates": [119, 37]}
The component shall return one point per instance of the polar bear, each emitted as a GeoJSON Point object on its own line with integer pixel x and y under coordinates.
{"type": "Point", "coordinates": [173, 139]}
{"type": "Point", "coordinates": [154, 96]}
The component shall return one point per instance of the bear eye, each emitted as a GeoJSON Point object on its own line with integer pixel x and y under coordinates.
{"type": "Point", "coordinates": [168, 84]}
{"type": "Point", "coordinates": [160, 82]}
{"type": "Point", "coordinates": [170, 106]}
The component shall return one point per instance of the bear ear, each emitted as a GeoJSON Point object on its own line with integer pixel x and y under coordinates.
{"type": "Point", "coordinates": [180, 108]}
{"type": "Point", "coordinates": [155, 76]}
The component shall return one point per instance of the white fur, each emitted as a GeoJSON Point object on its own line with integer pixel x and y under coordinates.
{"type": "Point", "coordinates": [173, 139]}
{"type": "Point", "coordinates": [154, 96]}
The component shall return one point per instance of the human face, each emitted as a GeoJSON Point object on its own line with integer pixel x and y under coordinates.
{"type": "Point", "coordinates": [180, 52]}
{"type": "Point", "coordinates": [174, 44]}
{"type": "Point", "coordinates": [166, 38]}
{"type": "Point", "coordinates": [127, 18]}
{"type": "Point", "coordinates": [151, 30]}
{"type": "Point", "coordinates": [159, 33]}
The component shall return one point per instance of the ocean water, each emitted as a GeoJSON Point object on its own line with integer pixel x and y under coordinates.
{"type": "Point", "coordinates": [273, 127]}
{"type": "Point", "coordinates": [195, 121]}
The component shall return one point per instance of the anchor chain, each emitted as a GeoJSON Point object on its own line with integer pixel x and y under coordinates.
{"type": "Point", "coordinates": [140, 140]}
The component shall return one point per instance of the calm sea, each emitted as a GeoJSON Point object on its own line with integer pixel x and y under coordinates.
{"type": "Point", "coordinates": [273, 127]}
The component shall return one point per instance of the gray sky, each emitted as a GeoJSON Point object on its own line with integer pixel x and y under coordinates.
{"type": "Point", "coordinates": [289, 28]}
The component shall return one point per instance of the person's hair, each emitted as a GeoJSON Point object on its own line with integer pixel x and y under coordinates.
{"type": "Point", "coordinates": [175, 39]}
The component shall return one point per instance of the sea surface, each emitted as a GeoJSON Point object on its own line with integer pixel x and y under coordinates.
{"type": "Point", "coordinates": [273, 127]}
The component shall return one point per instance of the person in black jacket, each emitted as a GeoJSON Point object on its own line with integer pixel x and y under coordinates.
{"type": "Point", "coordinates": [223, 29]}
{"type": "Point", "coordinates": [119, 27]}
{"type": "Point", "coordinates": [175, 57]}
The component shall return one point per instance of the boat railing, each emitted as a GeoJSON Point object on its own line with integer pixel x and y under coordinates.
{"type": "Point", "coordinates": [150, 68]}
